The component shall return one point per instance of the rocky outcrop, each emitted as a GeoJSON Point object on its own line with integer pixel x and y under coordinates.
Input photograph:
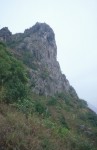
{"type": "Point", "coordinates": [5, 35]}
{"type": "Point", "coordinates": [36, 47]}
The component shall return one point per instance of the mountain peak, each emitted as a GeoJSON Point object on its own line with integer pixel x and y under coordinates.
{"type": "Point", "coordinates": [41, 27]}
{"type": "Point", "coordinates": [5, 34]}
{"type": "Point", "coordinates": [43, 30]}
{"type": "Point", "coordinates": [36, 47]}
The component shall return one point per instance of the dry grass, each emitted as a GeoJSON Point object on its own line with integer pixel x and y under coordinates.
{"type": "Point", "coordinates": [20, 133]}
{"type": "Point", "coordinates": [38, 132]}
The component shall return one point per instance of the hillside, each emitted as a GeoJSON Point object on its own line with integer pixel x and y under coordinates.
{"type": "Point", "coordinates": [39, 109]}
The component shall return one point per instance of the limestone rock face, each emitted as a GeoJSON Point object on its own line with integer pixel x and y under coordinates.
{"type": "Point", "coordinates": [36, 47]}
{"type": "Point", "coordinates": [5, 34]}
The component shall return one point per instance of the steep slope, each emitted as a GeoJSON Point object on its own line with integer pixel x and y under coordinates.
{"type": "Point", "coordinates": [53, 123]}
{"type": "Point", "coordinates": [33, 116]}
{"type": "Point", "coordinates": [36, 47]}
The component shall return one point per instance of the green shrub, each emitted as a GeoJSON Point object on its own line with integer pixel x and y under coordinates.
{"type": "Point", "coordinates": [62, 131]}
{"type": "Point", "coordinates": [52, 101]}
{"type": "Point", "coordinates": [26, 106]}
{"type": "Point", "coordinates": [66, 97]}
{"type": "Point", "coordinates": [47, 144]}
{"type": "Point", "coordinates": [49, 124]}
{"type": "Point", "coordinates": [85, 146]}
{"type": "Point", "coordinates": [63, 122]}
{"type": "Point", "coordinates": [92, 117]}
{"type": "Point", "coordinates": [82, 103]}
{"type": "Point", "coordinates": [61, 95]}
{"type": "Point", "coordinates": [40, 108]}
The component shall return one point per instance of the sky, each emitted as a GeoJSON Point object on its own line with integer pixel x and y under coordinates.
{"type": "Point", "coordinates": [75, 26]}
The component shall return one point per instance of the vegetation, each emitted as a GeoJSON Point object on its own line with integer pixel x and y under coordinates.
{"type": "Point", "coordinates": [13, 77]}
{"type": "Point", "coordinates": [32, 122]}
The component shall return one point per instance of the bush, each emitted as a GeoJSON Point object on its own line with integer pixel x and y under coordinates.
{"type": "Point", "coordinates": [60, 95]}
{"type": "Point", "coordinates": [40, 108]}
{"type": "Point", "coordinates": [63, 122]}
{"type": "Point", "coordinates": [66, 97]}
{"type": "Point", "coordinates": [82, 103]}
{"type": "Point", "coordinates": [52, 101]}
{"type": "Point", "coordinates": [47, 144]}
{"type": "Point", "coordinates": [92, 117]}
{"type": "Point", "coordinates": [26, 106]}
{"type": "Point", "coordinates": [62, 131]}
{"type": "Point", "coordinates": [85, 146]}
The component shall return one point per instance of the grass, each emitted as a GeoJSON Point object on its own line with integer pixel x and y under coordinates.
{"type": "Point", "coordinates": [35, 130]}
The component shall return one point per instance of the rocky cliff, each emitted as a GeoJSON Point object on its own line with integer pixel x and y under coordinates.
{"type": "Point", "coordinates": [36, 47]}
{"type": "Point", "coordinates": [57, 122]}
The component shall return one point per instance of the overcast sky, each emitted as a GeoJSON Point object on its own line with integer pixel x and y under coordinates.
{"type": "Point", "coordinates": [75, 25]}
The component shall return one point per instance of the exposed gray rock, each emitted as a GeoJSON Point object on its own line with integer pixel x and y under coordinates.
{"type": "Point", "coordinates": [88, 131]}
{"type": "Point", "coordinates": [5, 34]}
{"type": "Point", "coordinates": [37, 48]}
